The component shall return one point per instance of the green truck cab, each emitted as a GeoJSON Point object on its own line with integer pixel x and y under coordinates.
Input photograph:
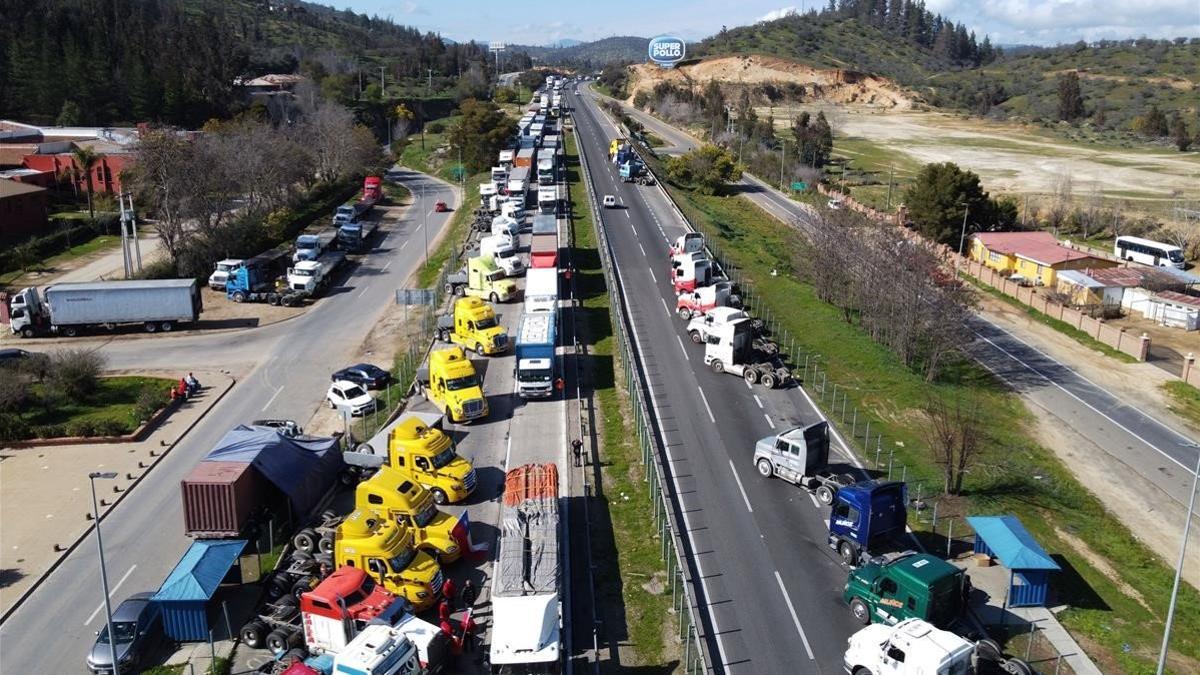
{"type": "Point", "coordinates": [482, 278]}
{"type": "Point", "coordinates": [473, 325]}
{"type": "Point", "coordinates": [912, 586]}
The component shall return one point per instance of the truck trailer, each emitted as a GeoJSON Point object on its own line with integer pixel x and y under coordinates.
{"type": "Point", "coordinates": [541, 290]}
{"type": "Point", "coordinates": [536, 363]}
{"type": "Point", "coordinates": [71, 308]}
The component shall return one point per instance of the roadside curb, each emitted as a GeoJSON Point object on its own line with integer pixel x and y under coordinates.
{"type": "Point", "coordinates": [84, 535]}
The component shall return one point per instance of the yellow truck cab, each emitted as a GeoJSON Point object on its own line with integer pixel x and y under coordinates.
{"type": "Point", "coordinates": [473, 325]}
{"type": "Point", "coordinates": [398, 495]}
{"type": "Point", "coordinates": [482, 278]}
{"type": "Point", "coordinates": [428, 456]}
{"type": "Point", "coordinates": [451, 383]}
{"type": "Point", "coordinates": [376, 544]}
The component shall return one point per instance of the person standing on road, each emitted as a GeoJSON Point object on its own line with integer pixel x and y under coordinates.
{"type": "Point", "coordinates": [448, 589]}
{"type": "Point", "coordinates": [468, 594]}
{"type": "Point", "coordinates": [444, 610]}
{"type": "Point", "coordinates": [577, 450]}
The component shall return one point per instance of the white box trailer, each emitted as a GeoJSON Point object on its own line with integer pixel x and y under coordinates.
{"type": "Point", "coordinates": [541, 290]}
{"type": "Point", "coordinates": [70, 308]}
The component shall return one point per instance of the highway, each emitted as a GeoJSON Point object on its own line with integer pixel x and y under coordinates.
{"type": "Point", "coordinates": [287, 368]}
{"type": "Point", "coordinates": [770, 586]}
{"type": "Point", "coordinates": [1164, 456]}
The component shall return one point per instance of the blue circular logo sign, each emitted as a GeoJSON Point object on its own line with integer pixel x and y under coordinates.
{"type": "Point", "coordinates": [666, 50]}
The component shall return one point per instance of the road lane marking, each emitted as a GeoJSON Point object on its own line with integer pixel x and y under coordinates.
{"type": "Point", "coordinates": [703, 397]}
{"type": "Point", "coordinates": [665, 307]}
{"type": "Point", "coordinates": [643, 250]}
{"type": "Point", "coordinates": [795, 619]}
{"type": "Point", "coordinates": [110, 594]}
{"type": "Point", "coordinates": [404, 244]}
{"type": "Point", "coordinates": [758, 401]}
{"type": "Point", "coordinates": [814, 500]}
{"type": "Point", "coordinates": [272, 399]}
{"type": "Point", "coordinates": [363, 291]}
{"type": "Point", "coordinates": [740, 488]}
{"type": "Point", "coordinates": [652, 275]}
{"type": "Point", "coordinates": [768, 418]}
{"type": "Point", "coordinates": [627, 215]}
{"type": "Point", "coordinates": [685, 354]}
{"type": "Point", "coordinates": [389, 264]}
{"type": "Point", "coordinates": [748, 386]}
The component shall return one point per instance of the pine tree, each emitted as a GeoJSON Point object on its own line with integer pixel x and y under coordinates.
{"type": "Point", "coordinates": [1154, 123]}
{"type": "Point", "coordinates": [1179, 132]}
{"type": "Point", "coordinates": [1070, 100]}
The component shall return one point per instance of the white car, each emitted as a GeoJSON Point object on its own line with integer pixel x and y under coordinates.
{"type": "Point", "coordinates": [345, 395]}
{"type": "Point", "coordinates": [610, 201]}
{"type": "Point", "coordinates": [834, 204]}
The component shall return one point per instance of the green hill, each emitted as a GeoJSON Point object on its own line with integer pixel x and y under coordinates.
{"type": "Point", "coordinates": [595, 54]}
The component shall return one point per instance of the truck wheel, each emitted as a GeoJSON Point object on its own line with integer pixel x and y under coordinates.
{"type": "Point", "coordinates": [684, 313]}
{"type": "Point", "coordinates": [861, 671]}
{"type": "Point", "coordinates": [751, 376]}
{"type": "Point", "coordinates": [70, 331]}
{"type": "Point", "coordinates": [167, 326]}
{"type": "Point", "coordinates": [768, 380]}
{"type": "Point", "coordinates": [825, 495]}
{"type": "Point", "coordinates": [696, 337]}
{"type": "Point", "coordinates": [860, 611]}
{"type": "Point", "coordinates": [439, 497]}
{"type": "Point", "coordinates": [325, 545]}
{"type": "Point", "coordinates": [27, 332]}
{"type": "Point", "coordinates": [479, 348]}
{"type": "Point", "coordinates": [1016, 667]}
{"type": "Point", "coordinates": [444, 335]}
{"type": "Point", "coordinates": [238, 296]}
{"type": "Point", "coordinates": [151, 327]}
{"type": "Point", "coordinates": [302, 586]}
{"type": "Point", "coordinates": [306, 540]}
{"type": "Point", "coordinates": [460, 290]}
{"type": "Point", "coordinates": [764, 468]}
{"type": "Point", "coordinates": [277, 641]}
{"type": "Point", "coordinates": [277, 587]}
{"type": "Point", "coordinates": [717, 366]}
{"type": "Point", "coordinates": [493, 297]}
{"type": "Point", "coordinates": [848, 552]}
{"type": "Point", "coordinates": [252, 634]}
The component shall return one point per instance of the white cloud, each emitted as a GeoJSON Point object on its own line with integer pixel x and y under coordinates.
{"type": "Point", "coordinates": [779, 13]}
{"type": "Point", "coordinates": [1063, 21]}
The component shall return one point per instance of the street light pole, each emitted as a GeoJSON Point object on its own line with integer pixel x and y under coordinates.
{"type": "Point", "coordinates": [962, 238]}
{"type": "Point", "coordinates": [112, 645]}
{"type": "Point", "coordinates": [1187, 526]}
{"type": "Point", "coordinates": [782, 156]}
{"type": "Point", "coordinates": [425, 222]}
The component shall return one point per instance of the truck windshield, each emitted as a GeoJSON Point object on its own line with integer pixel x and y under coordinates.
{"type": "Point", "coordinates": [426, 516]}
{"type": "Point", "coordinates": [443, 458]}
{"type": "Point", "coordinates": [539, 375]}
{"type": "Point", "coordinates": [488, 322]}
{"type": "Point", "coordinates": [306, 244]}
{"type": "Point", "coordinates": [302, 273]}
{"type": "Point", "coordinates": [498, 275]}
{"type": "Point", "coordinates": [361, 593]}
{"type": "Point", "coordinates": [460, 383]}
{"type": "Point", "coordinates": [402, 559]}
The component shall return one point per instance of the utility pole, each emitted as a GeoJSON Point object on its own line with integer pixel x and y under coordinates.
{"type": "Point", "coordinates": [962, 238]}
{"type": "Point", "coordinates": [1187, 526]}
{"type": "Point", "coordinates": [382, 83]}
{"type": "Point", "coordinates": [782, 155]}
{"type": "Point", "coordinates": [112, 638]}
{"type": "Point", "coordinates": [429, 82]}
{"type": "Point", "coordinates": [891, 173]}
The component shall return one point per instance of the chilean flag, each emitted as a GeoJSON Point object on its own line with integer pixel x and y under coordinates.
{"type": "Point", "coordinates": [462, 534]}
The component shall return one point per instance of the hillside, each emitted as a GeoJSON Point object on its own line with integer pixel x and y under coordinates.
{"type": "Point", "coordinates": [125, 61]}
{"type": "Point", "coordinates": [595, 54]}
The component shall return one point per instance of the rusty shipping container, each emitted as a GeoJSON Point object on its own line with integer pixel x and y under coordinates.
{"type": "Point", "coordinates": [218, 499]}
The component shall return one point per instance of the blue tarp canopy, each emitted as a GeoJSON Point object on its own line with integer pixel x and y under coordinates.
{"type": "Point", "coordinates": [1011, 543]}
{"type": "Point", "coordinates": [302, 468]}
{"type": "Point", "coordinates": [200, 570]}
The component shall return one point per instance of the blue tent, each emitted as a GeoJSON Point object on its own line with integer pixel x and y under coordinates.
{"type": "Point", "coordinates": [185, 594]}
{"type": "Point", "coordinates": [1005, 538]}
{"type": "Point", "coordinates": [302, 468]}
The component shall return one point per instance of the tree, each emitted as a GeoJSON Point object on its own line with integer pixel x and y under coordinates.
{"type": "Point", "coordinates": [707, 168]}
{"type": "Point", "coordinates": [1070, 99]}
{"type": "Point", "coordinates": [1179, 133]}
{"type": "Point", "coordinates": [937, 198]}
{"type": "Point", "coordinates": [70, 115]}
{"type": "Point", "coordinates": [481, 133]}
{"type": "Point", "coordinates": [86, 158]}
{"type": "Point", "coordinates": [1153, 124]}
{"type": "Point", "coordinates": [954, 433]}
{"type": "Point", "coordinates": [404, 120]}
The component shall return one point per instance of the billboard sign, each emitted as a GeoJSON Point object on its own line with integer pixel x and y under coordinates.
{"type": "Point", "coordinates": [666, 50]}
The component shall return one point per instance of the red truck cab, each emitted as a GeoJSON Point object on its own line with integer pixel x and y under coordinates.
{"type": "Point", "coordinates": [348, 593]}
{"type": "Point", "coordinates": [372, 190]}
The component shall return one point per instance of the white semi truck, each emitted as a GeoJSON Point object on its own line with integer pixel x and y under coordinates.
{"type": "Point", "coordinates": [72, 308]}
{"type": "Point", "coordinates": [311, 276]}
{"type": "Point", "coordinates": [915, 647]}
{"type": "Point", "coordinates": [729, 347]}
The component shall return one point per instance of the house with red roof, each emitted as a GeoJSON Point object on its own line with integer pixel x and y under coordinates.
{"type": "Point", "coordinates": [1034, 258]}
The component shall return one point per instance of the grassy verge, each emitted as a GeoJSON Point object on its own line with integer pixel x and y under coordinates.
{"type": "Point", "coordinates": [1060, 326]}
{"type": "Point", "coordinates": [621, 578]}
{"type": "Point", "coordinates": [110, 409]}
{"type": "Point", "coordinates": [1118, 617]}
{"type": "Point", "coordinates": [1185, 400]}
{"type": "Point", "coordinates": [100, 243]}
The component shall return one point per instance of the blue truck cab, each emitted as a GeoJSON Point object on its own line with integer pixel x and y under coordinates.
{"type": "Point", "coordinates": [865, 516]}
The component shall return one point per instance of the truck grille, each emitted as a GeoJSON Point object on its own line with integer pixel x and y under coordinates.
{"type": "Point", "coordinates": [437, 583]}
{"type": "Point", "coordinates": [473, 408]}
{"type": "Point", "coordinates": [469, 481]}
{"type": "Point", "coordinates": [500, 342]}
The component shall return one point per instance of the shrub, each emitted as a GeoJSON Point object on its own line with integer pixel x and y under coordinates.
{"type": "Point", "coordinates": [436, 127]}
{"type": "Point", "coordinates": [148, 403]}
{"type": "Point", "coordinates": [13, 428]}
{"type": "Point", "coordinates": [74, 373]}
{"type": "Point", "coordinates": [50, 431]}
{"type": "Point", "coordinates": [110, 426]}
{"type": "Point", "coordinates": [84, 428]}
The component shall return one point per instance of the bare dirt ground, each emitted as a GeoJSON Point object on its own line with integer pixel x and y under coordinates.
{"type": "Point", "coordinates": [1015, 158]}
{"type": "Point", "coordinates": [828, 85]}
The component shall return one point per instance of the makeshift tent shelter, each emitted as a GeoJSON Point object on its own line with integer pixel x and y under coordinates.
{"type": "Point", "coordinates": [302, 468]}
{"type": "Point", "coordinates": [1029, 567]}
{"type": "Point", "coordinates": [185, 594]}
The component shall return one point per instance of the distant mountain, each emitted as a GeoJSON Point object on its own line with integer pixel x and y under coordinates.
{"type": "Point", "coordinates": [564, 43]}
{"type": "Point", "coordinates": [596, 54]}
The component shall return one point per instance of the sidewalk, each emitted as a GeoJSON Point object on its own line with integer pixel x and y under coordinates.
{"type": "Point", "coordinates": [45, 500]}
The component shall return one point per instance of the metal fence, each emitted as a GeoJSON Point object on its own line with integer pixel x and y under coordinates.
{"type": "Point", "coordinates": [668, 520]}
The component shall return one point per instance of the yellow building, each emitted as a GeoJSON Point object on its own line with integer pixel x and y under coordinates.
{"type": "Point", "coordinates": [1030, 257]}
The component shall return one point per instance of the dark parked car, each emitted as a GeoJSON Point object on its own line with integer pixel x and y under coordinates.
{"type": "Point", "coordinates": [137, 624]}
{"type": "Point", "coordinates": [12, 356]}
{"type": "Point", "coordinates": [364, 374]}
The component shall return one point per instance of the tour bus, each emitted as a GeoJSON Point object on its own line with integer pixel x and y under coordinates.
{"type": "Point", "coordinates": [1148, 252]}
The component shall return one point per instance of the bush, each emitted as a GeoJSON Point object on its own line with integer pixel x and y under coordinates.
{"type": "Point", "coordinates": [110, 426]}
{"type": "Point", "coordinates": [74, 373]}
{"type": "Point", "coordinates": [436, 127]}
{"type": "Point", "coordinates": [50, 431]}
{"type": "Point", "coordinates": [84, 428]}
{"type": "Point", "coordinates": [13, 428]}
{"type": "Point", "coordinates": [148, 403]}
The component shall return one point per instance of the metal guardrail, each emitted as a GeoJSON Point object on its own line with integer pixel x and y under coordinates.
{"type": "Point", "coordinates": [668, 520]}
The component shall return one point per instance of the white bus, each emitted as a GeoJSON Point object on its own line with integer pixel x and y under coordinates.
{"type": "Point", "coordinates": [1148, 252]}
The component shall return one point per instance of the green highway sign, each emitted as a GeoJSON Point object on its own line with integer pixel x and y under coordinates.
{"type": "Point", "coordinates": [797, 187]}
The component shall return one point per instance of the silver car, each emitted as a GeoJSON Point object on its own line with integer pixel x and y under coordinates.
{"type": "Point", "coordinates": [137, 624]}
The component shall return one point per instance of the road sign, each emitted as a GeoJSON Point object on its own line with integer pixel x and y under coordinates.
{"type": "Point", "coordinates": [798, 186]}
{"type": "Point", "coordinates": [666, 50]}
{"type": "Point", "coordinates": [458, 172]}
{"type": "Point", "coordinates": [414, 296]}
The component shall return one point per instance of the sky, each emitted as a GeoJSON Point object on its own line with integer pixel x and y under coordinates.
{"type": "Point", "coordinates": [1043, 22]}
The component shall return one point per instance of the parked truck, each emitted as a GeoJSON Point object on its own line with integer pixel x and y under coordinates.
{"type": "Point", "coordinates": [729, 348]}
{"type": "Point", "coordinates": [868, 518]}
{"type": "Point", "coordinates": [312, 246]}
{"type": "Point", "coordinates": [705, 299]}
{"type": "Point", "coordinates": [503, 253]}
{"type": "Point", "coordinates": [524, 159]}
{"type": "Point", "coordinates": [500, 177]}
{"type": "Point", "coordinates": [548, 200]}
{"type": "Point", "coordinates": [415, 445]}
{"type": "Point", "coordinates": [373, 190]}
{"type": "Point", "coordinates": [690, 242]}
{"type": "Point", "coordinates": [372, 542]}
{"type": "Point", "coordinates": [472, 324]}
{"type": "Point", "coordinates": [541, 290]}
{"type": "Point", "coordinates": [351, 213]}
{"type": "Point", "coordinates": [451, 383]}
{"type": "Point", "coordinates": [634, 171]}
{"type": "Point", "coordinates": [354, 236]}
{"type": "Point", "coordinates": [907, 586]}
{"type": "Point", "coordinates": [482, 278]}
{"type": "Point", "coordinates": [221, 272]}
{"type": "Point", "coordinates": [526, 603]}
{"type": "Point", "coordinates": [258, 280]}
{"type": "Point", "coordinates": [72, 308]}
{"type": "Point", "coordinates": [545, 167]}
{"type": "Point", "coordinates": [518, 182]}
{"type": "Point", "coordinates": [801, 456]}
{"type": "Point", "coordinates": [543, 251]}
{"type": "Point", "coordinates": [535, 352]}
{"type": "Point", "coordinates": [310, 277]}
{"type": "Point", "coordinates": [916, 647]}
{"type": "Point", "coordinates": [690, 271]}
{"type": "Point", "coordinates": [399, 495]}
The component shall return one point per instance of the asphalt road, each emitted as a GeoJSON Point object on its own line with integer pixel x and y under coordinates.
{"type": "Point", "coordinates": [287, 366]}
{"type": "Point", "coordinates": [771, 587]}
{"type": "Point", "coordinates": [1156, 451]}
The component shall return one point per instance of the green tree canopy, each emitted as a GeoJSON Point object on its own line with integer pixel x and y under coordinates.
{"type": "Point", "coordinates": [707, 168]}
{"type": "Point", "coordinates": [937, 198]}
{"type": "Point", "coordinates": [480, 133]}
{"type": "Point", "coordinates": [1070, 99]}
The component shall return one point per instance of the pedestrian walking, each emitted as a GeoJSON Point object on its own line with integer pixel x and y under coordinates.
{"type": "Point", "coordinates": [444, 610]}
{"type": "Point", "coordinates": [448, 589]}
{"type": "Point", "coordinates": [577, 450]}
{"type": "Point", "coordinates": [468, 594]}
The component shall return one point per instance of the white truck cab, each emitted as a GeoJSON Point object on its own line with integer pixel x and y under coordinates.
{"type": "Point", "coordinates": [911, 647]}
{"type": "Point", "coordinates": [378, 650]}
{"type": "Point", "coordinates": [221, 272]}
{"type": "Point", "coordinates": [502, 251]}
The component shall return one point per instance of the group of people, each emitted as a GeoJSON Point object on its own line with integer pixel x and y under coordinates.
{"type": "Point", "coordinates": [188, 386]}
{"type": "Point", "coordinates": [453, 599]}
